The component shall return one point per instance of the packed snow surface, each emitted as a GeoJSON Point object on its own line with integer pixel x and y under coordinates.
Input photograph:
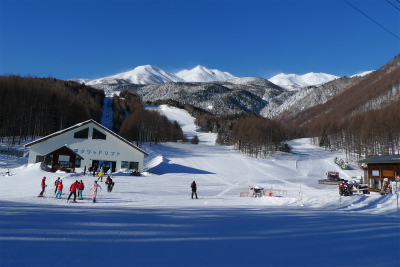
{"type": "Point", "coordinates": [151, 220]}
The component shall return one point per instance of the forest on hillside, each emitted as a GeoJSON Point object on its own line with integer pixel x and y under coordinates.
{"type": "Point", "coordinates": [247, 132]}
{"type": "Point", "coordinates": [135, 123]}
{"type": "Point", "coordinates": [31, 107]}
{"type": "Point", "coordinates": [361, 121]}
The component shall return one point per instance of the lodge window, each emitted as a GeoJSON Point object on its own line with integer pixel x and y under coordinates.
{"type": "Point", "coordinates": [46, 160]}
{"type": "Point", "coordinates": [130, 165]}
{"type": "Point", "coordinates": [39, 158]}
{"type": "Point", "coordinates": [78, 163]}
{"type": "Point", "coordinates": [98, 135]}
{"type": "Point", "coordinates": [82, 134]}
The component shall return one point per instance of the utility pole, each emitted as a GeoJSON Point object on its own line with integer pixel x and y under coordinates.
{"type": "Point", "coordinates": [397, 192]}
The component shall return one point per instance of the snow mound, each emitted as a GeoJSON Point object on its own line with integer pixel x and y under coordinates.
{"type": "Point", "coordinates": [154, 162]}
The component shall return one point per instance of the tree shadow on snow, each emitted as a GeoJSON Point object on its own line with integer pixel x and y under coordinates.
{"type": "Point", "coordinates": [165, 167]}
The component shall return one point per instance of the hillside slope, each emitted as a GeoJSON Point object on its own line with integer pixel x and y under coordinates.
{"type": "Point", "coordinates": [376, 90]}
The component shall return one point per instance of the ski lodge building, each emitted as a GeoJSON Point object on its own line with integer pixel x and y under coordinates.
{"type": "Point", "coordinates": [86, 144]}
{"type": "Point", "coordinates": [379, 168]}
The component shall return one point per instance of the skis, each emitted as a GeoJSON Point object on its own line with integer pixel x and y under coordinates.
{"type": "Point", "coordinates": [74, 201]}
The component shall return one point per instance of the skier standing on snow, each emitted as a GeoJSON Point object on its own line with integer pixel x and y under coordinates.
{"type": "Point", "coordinates": [56, 184]}
{"type": "Point", "coordinates": [194, 189]}
{"type": "Point", "coordinates": [60, 188]}
{"type": "Point", "coordinates": [100, 176]}
{"type": "Point", "coordinates": [109, 183]}
{"type": "Point", "coordinates": [73, 188]}
{"type": "Point", "coordinates": [94, 170]}
{"type": "Point", "coordinates": [43, 187]}
{"type": "Point", "coordinates": [81, 186]}
{"type": "Point", "coordinates": [84, 171]}
{"type": "Point", "coordinates": [94, 188]}
{"type": "Point", "coordinates": [109, 172]}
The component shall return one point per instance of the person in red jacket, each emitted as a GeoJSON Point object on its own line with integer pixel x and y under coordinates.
{"type": "Point", "coordinates": [73, 188]}
{"type": "Point", "coordinates": [81, 186]}
{"type": "Point", "coordinates": [60, 188]}
{"type": "Point", "coordinates": [43, 187]}
{"type": "Point", "coordinates": [194, 189]}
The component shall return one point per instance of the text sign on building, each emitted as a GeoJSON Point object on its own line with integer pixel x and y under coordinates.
{"type": "Point", "coordinates": [375, 173]}
{"type": "Point", "coordinates": [96, 152]}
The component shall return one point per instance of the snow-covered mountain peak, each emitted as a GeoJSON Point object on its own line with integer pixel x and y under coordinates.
{"type": "Point", "coordinates": [202, 74]}
{"type": "Point", "coordinates": [294, 81]}
{"type": "Point", "coordinates": [146, 74]}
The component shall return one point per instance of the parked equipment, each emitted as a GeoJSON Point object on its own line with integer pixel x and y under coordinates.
{"type": "Point", "coordinates": [257, 191]}
{"type": "Point", "coordinates": [134, 173]}
{"type": "Point", "coordinates": [341, 163]}
{"type": "Point", "coordinates": [352, 187]}
{"type": "Point", "coordinates": [331, 178]}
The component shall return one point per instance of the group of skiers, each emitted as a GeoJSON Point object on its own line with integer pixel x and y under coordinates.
{"type": "Point", "coordinates": [98, 171]}
{"type": "Point", "coordinates": [76, 188]}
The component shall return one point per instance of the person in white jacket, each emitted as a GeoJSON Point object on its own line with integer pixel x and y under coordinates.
{"type": "Point", "coordinates": [94, 187]}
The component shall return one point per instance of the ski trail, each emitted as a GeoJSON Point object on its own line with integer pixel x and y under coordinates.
{"type": "Point", "coordinates": [107, 115]}
{"type": "Point", "coordinates": [302, 165]}
{"type": "Point", "coordinates": [248, 177]}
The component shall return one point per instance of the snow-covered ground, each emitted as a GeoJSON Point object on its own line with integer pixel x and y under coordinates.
{"type": "Point", "coordinates": [151, 221]}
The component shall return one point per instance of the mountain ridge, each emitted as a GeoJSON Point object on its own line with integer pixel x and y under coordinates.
{"type": "Point", "coordinates": [148, 74]}
{"type": "Point", "coordinates": [295, 81]}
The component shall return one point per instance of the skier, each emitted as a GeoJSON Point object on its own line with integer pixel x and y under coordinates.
{"type": "Point", "coordinates": [194, 189]}
{"type": "Point", "coordinates": [100, 176]}
{"type": "Point", "coordinates": [77, 188]}
{"type": "Point", "coordinates": [81, 186]}
{"type": "Point", "coordinates": [73, 188]}
{"type": "Point", "coordinates": [109, 172]}
{"type": "Point", "coordinates": [60, 188]}
{"type": "Point", "coordinates": [43, 187]}
{"type": "Point", "coordinates": [109, 183]}
{"type": "Point", "coordinates": [94, 170]}
{"type": "Point", "coordinates": [84, 171]}
{"type": "Point", "coordinates": [56, 184]}
{"type": "Point", "coordinates": [94, 188]}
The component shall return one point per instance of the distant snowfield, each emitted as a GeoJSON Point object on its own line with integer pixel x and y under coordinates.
{"type": "Point", "coordinates": [151, 220]}
{"type": "Point", "coordinates": [294, 81]}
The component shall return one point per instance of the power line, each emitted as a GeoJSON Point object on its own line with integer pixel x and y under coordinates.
{"type": "Point", "coordinates": [393, 4]}
{"type": "Point", "coordinates": [372, 20]}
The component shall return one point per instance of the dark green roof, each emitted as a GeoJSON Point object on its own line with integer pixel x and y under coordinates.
{"type": "Point", "coordinates": [382, 159]}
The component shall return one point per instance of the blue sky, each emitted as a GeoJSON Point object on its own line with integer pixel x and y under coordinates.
{"type": "Point", "coordinates": [98, 38]}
